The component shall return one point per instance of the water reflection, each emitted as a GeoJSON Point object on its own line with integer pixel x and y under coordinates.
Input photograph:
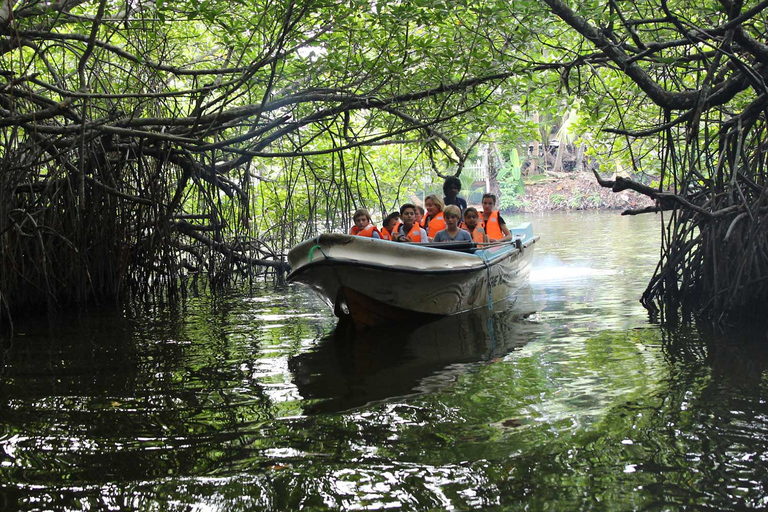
{"type": "Point", "coordinates": [349, 368]}
{"type": "Point", "coordinates": [700, 436]}
{"type": "Point", "coordinates": [258, 401]}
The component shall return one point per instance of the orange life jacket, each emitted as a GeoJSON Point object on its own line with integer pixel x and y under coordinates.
{"type": "Point", "coordinates": [415, 234]}
{"type": "Point", "coordinates": [385, 234]}
{"type": "Point", "coordinates": [397, 227]}
{"type": "Point", "coordinates": [477, 236]}
{"type": "Point", "coordinates": [366, 231]}
{"type": "Point", "coordinates": [491, 226]}
{"type": "Point", "coordinates": [436, 223]}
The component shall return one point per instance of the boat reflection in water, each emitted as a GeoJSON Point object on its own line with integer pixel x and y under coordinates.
{"type": "Point", "coordinates": [349, 368]}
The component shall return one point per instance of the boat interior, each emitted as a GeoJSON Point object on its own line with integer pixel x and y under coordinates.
{"type": "Point", "coordinates": [521, 234]}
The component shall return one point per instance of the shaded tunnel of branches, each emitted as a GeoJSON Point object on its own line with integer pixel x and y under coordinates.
{"type": "Point", "coordinates": [134, 143]}
{"type": "Point", "coordinates": [131, 150]}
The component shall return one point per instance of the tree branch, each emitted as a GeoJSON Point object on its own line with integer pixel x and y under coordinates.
{"type": "Point", "coordinates": [721, 93]}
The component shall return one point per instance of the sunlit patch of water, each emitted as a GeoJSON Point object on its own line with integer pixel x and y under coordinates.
{"type": "Point", "coordinates": [562, 275]}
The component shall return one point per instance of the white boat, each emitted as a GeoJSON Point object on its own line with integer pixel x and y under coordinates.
{"type": "Point", "coordinates": [376, 281]}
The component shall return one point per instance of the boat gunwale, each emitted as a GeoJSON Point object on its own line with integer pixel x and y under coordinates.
{"type": "Point", "coordinates": [482, 263]}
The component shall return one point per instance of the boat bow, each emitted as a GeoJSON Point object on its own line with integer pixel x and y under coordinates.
{"type": "Point", "coordinates": [376, 281]}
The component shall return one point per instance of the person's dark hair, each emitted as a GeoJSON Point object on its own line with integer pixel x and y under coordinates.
{"type": "Point", "coordinates": [388, 219]}
{"type": "Point", "coordinates": [406, 206]}
{"type": "Point", "coordinates": [471, 209]}
{"type": "Point", "coordinates": [451, 181]}
{"type": "Point", "coordinates": [492, 196]}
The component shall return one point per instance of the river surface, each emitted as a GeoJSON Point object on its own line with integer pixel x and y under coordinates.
{"type": "Point", "coordinates": [566, 397]}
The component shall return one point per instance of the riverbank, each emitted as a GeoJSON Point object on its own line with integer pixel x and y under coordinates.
{"type": "Point", "coordinates": [576, 191]}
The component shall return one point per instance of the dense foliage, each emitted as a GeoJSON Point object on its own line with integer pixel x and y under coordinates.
{"type": "Point", "coordinates": [143, 141]}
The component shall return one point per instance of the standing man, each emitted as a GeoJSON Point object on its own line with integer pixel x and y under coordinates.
{"type": "Point", "coordinates": [451, 189]}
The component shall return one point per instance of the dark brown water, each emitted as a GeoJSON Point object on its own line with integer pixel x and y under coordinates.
{"type": "Point", "coordinates": [255, 401]}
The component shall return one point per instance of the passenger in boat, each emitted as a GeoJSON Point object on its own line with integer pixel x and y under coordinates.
{"type": "Point", "coordinates": [390, 225]}
{"type": "Point", "coordinates": [398, 223]}
{"type": "Point", "coordinates": [493, 224]}
{"type": "Point", "coordinates": [410, 231]}
{"type": "Point", "coordinates": [434, 220]}
{"type": "Point", "coordinates": [451, 189]}
{"type": "Point", "coordinates": [470, 224]}
{"type": "Point", "coordinates": [420, 215]}
{"type": "Point", "coordinates": [363, 225]}
{"type": "Point", "coordinates": [452, 232]}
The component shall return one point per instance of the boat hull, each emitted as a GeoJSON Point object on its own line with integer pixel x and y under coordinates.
{"type": "Point", "coordinates": [375, 281]}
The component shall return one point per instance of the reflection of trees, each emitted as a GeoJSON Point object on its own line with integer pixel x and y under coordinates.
{"type": "Point", "coordinates": [695, 441]}
{"type": "Point", "coordinates": [180, 408]}
{"type": "Point", "coordinates": [632, 431]}
{"type": "Point", "coordinates": [103, 400]}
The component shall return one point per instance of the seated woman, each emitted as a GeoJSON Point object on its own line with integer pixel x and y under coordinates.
{"type": "Point", "coordinates": [470, 224]}
{"type": "Point", "coordinates": [433, 221]}
{"type": "Point", "coordinates": [363, 225]}
{"type": "Point", "coordinates": [452, 232]}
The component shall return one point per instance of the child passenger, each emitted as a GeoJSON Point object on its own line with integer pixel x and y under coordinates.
{"type": "Point", "coordinates": [470, 224]}
{"type": "Point", "coordinates": [434, 220]}
{"type": "Point", "coordinates": [390, 226]}
{"type": "Point", "coordinates": [410, 231]}
{"type": "Point", "coordinates": [363, 225]}
{"type": "Point", "coordinates": [420, 215]}
{"type": "Point", "coordinates": [452, 233]}
{"type": "Point", "coordinates": [493, 224]}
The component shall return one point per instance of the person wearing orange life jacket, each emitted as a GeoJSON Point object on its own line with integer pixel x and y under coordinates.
{"type": "Point", "coordinates": [397, 224]}
{"type": "Point", "coordinates": [434, 221]}
{"type": "Point", "coordinates": [363, 225]}
{"type": "Point", "coordinates": [390, 226]}
{"type": "Point", "coordinates": [493, 224]}
{"type": "Point", "coordinates": [470, 224]}
{"type": "Point", "coordinates": [410, 231]}
{"type": "Point", "coordinates": [420, 215]}
{"type": "Point", "coordinates": [452, 232]}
